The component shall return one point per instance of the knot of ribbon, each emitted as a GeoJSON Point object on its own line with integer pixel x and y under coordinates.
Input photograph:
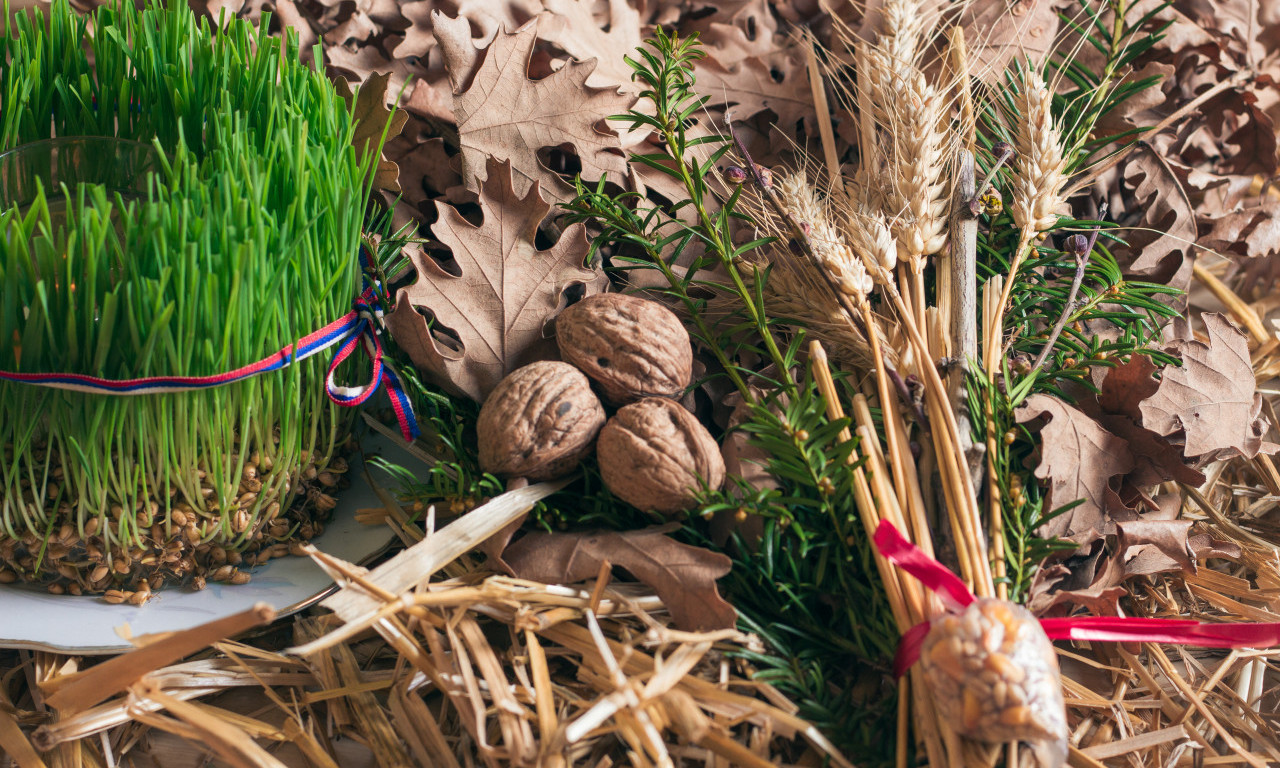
{"type": "Point", "coordinates": [358, 329]}
{"type": "Point", "coordinates": [956, 596]}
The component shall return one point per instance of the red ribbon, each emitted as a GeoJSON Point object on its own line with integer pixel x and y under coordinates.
{"type": "Point", "coordinates": [1126, 629]}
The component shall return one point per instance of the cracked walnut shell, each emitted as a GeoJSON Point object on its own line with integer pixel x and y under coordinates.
{"type": "Point", "coordinates": [539, 422]}
{"type": "Point", "coordinates": [654, 455]}
{"type": "Point", "coordinates": [632, 347]}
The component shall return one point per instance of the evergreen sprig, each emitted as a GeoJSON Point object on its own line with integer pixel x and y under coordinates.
{"type": "Point", "coordinates": [808, 586]}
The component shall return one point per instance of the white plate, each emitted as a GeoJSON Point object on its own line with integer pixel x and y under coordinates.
{"type": "Point", "coordinates": [32, 618]}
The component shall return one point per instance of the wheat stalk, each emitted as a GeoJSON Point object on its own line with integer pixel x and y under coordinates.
{"type": "Point", "coordinates": [801, 201]}
{"type": "Point", "coordinates": [904, 24]}
{"type": "Point", "coordinates": [803, 290]}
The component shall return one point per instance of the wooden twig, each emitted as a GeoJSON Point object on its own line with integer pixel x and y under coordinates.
{"type": "Point", "coordinates": [964, 290]}
{"type": "Point", "coordinates": [959, 62]}
{"type": "Point", "coordinates": [820, 105]}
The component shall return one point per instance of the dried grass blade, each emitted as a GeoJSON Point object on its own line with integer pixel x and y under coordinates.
{"type": "Point", "coordinates": [12, 741]}
{"type": "Point", "coordinates": [225, 739]}
{"type": "Point", "coordinates": [421, 729]}
{"type": "Point", "coordinates": [419, 562]}
{"type": "Point", "coordinates": [312, 751]}
{"type": "Point", "coordinates": [75, 693]}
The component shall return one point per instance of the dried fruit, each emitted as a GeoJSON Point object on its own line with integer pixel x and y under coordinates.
{"type": "Point", "coordinates": [655, 455]}
{"type": "Point", "coordinates": [631, 347]}
{"type": "Point", "coordinates": [539, 422]}
{"type": "Point", "coordinates": [995, 676]}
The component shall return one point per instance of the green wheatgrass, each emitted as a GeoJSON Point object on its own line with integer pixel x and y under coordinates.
{"type": "Point", "coordinates": [243, 241]}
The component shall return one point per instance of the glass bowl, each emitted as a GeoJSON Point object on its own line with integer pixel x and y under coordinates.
{"type": "Point", "coordinates": [59, 166]}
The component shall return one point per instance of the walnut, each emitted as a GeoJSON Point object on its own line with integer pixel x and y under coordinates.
{"type": "Point", "coordinates": [653, 455]}
{"type": "Point", "coordinates": [539, 422]}
{"type": "Point", "coordinates": [631, 347]}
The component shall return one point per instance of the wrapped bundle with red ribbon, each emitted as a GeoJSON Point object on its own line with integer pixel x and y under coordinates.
{"type": "Point", "coordinates": [991, 666]}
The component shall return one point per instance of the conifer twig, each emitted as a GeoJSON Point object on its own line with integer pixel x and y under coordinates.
{"type": "Point", "coordinates": [1079, 247]}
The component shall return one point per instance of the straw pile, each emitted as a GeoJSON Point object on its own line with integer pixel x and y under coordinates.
{"type": "Point", "coordinates": [470, 667]}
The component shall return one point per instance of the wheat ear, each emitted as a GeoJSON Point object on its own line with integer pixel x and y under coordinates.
{"type": "Point", "coordinates": [1038, 180]}
{"type": "Point", "coordinates": [801, 201]}
{"type": "Point", "coordinates": [1038, 176]}
{"type": "Point", "coordinates": [919, 167]}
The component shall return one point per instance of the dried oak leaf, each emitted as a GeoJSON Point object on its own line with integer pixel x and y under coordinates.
{"type": "Point", "coordinates": [1160, 244]}
{"type": "Point", "coordinates": [1251, 232]}
{"type": "Point", "coordinates": [682, 575]}
{"type": "Point", "coordinates": [1078, 458]}
{"type": "Point", "coordinates": [778, 82]}
{"type": "Point", "coordinates": [419, 38]}
{"type": "Point", "coordinates": [736, 30]}
{"type": "Point", "coordinates": [507, 292]}
{"type": "Point", "coordinates": [572, 27]}
{"type": "Point", "coordinates": [503, 114]}
{"type": "Point", "coordinates": [1212, 397]}
{"type": "Point", "coordinates": [372, 117]}
{"type": "Point", "coordinates": [1145, 546]}
{"type": "Point", "coordinates": [999, 30]}
{"type": "Point", "coordinates": [1118, 410]}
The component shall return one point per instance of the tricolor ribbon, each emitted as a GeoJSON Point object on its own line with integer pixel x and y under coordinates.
{"type": "Point", "coordinates": [1126, 629]}
{"type": "Point", "coordinates": [358, 329]}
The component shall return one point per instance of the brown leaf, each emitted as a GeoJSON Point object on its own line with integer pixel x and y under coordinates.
{"type": "Point", "coordinates": [736, 30]}
{"type": "Point", "coordinates": [1252, 232]}
{"type": "Point", "coordinates": [1212, 397]}
{"type": "Point", "coordinates": [1169, 537]}
{"type": "Point", "coordinates": [1126, 385]}
{"type": "Point", "coordinates": [426, 167]}
{"type": "Point", "coordinates": [996, 31]}
{"type": "Point", "coordinates": [1118, 410]}
{"type": "Point", "coordinates": [358, 28]}
{"type": "Point", "coordinates": [571, 26]}
{"type": "Point", "coordinates": [491, 18]}
{"type": "Point", "coordinates": [507, 292]}
{"type": "Point", "coordinates": [419, 38]}
{"type": "Point", "coordinates": [504, 115]}
{"type": "Point", "coordinates": [683, 576]}
{"type": "Point", "coordinates": [1159, 247]}
{"type": "Point", "coordinates": [1078, 458]}
{"type": "Point", "coordinates": [778, 82]}
{"type": "Point", "coordinates": [373, 120]}
{"type": "Point", "coordinates": [1234, 21]}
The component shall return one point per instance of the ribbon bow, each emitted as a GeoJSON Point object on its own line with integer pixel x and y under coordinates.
{"type": "Point", "coordinates": [956, 596]}
{"type": "Point", "coordinates": [359, 328]}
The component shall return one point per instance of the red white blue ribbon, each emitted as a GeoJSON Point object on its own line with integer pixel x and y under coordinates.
{"type": "Point", "coordinates": [358, 329]}
{"type": "Point", "coordinates": [1125, 629]}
